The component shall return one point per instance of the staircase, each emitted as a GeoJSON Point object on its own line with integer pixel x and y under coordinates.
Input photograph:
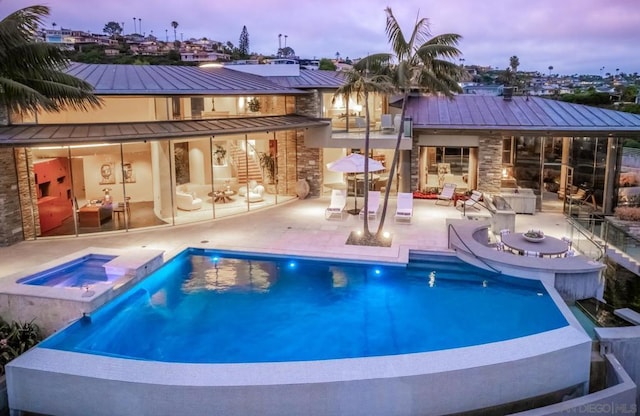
{"type": "Point", "coordinates": [623, 259]}
{"type": "Point", "coordinates": [245, 171]}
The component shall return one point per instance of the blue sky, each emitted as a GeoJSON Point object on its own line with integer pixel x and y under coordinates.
{"type": "Point", "coordinates": [573, 36]}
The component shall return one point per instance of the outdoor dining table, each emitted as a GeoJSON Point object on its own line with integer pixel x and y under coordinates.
{"type": "Point", "coordinates": [549, 246]}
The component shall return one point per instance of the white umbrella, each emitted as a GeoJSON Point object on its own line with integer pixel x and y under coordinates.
{"type": "Point", "coordinates": [354, 163]}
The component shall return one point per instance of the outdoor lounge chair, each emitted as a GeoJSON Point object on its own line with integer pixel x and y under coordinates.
{"type": "Point", "coordinates": [386, 123]}
{"type": "Point", "coordinates": [472, 202]}
{"type": "Point", "coordinates": [404, 209]}
{"type": "Point", "coordinates": [338, 202]}
{"type": "Point", "coordinates": [374, 205]}
{"type": "Point", "coordinates": [446, 195]}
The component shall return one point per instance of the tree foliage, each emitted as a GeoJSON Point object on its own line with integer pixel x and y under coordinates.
{"type": "Point", "coordinates": [243, 43]}
{"type": "Point", "coordinates": [32, 73]}
{"type": "Point", "coordinates": [327, 65]}
{"type": "Point", "coordinates": [112, 29]}
{"type": "Point", "coordinates": [174, 25]}
{"type": "Point", "coordinates": [589, 98]}
{"type": "Point", "coordinates": [15, 339]}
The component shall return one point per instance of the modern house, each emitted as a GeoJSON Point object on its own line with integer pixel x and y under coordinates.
{"type": "Point", "coordinates": [180, 144]}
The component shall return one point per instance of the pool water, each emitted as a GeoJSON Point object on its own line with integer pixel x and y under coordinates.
{"type": "Point", "coordinates": [222, 307]}
{"type": "Point", "coordinates": [84, 271]}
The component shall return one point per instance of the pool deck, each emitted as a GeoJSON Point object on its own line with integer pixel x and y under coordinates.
{"type": "Point", "coordinates": [297, 228]}
{"type": "Point", "coordinates": [300, 228]}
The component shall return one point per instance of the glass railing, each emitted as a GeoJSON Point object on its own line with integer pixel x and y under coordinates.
{"type": "Point", "coordinates": [593, 234]}
{"type": "Point", "coordinates": [586, 236]}
{"type": "Point", "coordinates": [621, 239]}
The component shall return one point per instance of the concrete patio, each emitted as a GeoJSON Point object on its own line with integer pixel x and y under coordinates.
{"type": "Point", "coordinates": [297, 227]}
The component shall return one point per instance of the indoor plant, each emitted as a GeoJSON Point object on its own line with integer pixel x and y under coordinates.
{"type": "Point", "coordinates": [254, 105]}
{"type": "Point", "coordinates": [268, 165]}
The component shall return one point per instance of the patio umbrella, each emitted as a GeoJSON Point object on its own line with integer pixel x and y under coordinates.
{"type": "Point", "coordinates": [354, 163]}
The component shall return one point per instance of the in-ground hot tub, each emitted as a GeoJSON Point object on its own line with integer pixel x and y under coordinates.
{"type": "Point", "coordinates": [84, 272]}
{"type": "Point", "coordinates": [122, 359]}
{"type": "Point", "coordinates": [56, 293]}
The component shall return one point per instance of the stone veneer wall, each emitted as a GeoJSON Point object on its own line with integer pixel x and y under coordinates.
{"type": "Point", "coordinates": [415, 163]}
{"type": "Point", "coordinates": [308, 160]}
{"type": "Point", "coordinates": [10, 217]}
{"type": "Point", "coordinates": [28, 193]}
{"type": "Point", "coordinates": [490, 164]}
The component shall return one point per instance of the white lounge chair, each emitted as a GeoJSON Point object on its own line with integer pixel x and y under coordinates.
{"type": "Point", "coordinates": [386, 123]}
{"type": "Point", "coordinates": [404, 209]}
{"type": "Point", "coordinates": [374, 205]}
{"type": "Point", "coordinates": [448, 190]}
{"type": "Point", "coordinates": [472, 202]}
{"type": "Point", "coordinates": [338, 202]}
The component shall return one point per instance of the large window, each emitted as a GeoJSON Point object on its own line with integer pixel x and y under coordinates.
{"type": "Point", "coordinates": [629, 178]}
{"type": "Point", "coordinates": [349, 115]}
{"type": "Point", "coordinates": [117, 187]}
{"type": "Point", "coordinates": [588, 158]}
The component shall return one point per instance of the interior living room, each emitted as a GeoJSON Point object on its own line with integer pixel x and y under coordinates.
{"type": "Point", "coordinates": [111, 186]}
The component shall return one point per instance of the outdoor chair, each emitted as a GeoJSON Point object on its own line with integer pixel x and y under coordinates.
{"type": "Point", "coordinates": [472, 202]}
{"type": "Point", "coordinates": [374, 205]}
{"type": "Point", "coordinates": [446, 195]}
{"type": "Point", "coordinates": [386, 123]}
{"type": "Point", "coordinates": [336, 207]}
{"type": "Point", "coordinates": [404, 209]}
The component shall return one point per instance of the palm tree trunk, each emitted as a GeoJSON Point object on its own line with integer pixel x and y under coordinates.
{"type": "Point", "coordinates": [366, 232]}
{"type": "Point", "coordinates": [394, 164]}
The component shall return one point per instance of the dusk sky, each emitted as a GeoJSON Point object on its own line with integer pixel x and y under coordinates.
{"type": "Point", "coordinates": [573, 36]}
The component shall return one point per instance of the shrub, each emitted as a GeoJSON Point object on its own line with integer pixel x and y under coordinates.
{"type": "Point", "coordinates": [15, 339]}
{"type": "Point", "coordinates": [628, 213]}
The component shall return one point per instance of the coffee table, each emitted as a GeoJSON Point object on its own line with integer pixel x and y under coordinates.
{"type": "Point", "coordinates": [222, 196]}
{"type": "Point", "coordinates": [93, 215]}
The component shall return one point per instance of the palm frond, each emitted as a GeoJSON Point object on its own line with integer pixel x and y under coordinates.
{"type": "Point", "coordinates": [32, 74]}
{"type": "Point", "coordinates": [399, 44]}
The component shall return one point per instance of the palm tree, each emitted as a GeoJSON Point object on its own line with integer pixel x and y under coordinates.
{"type": "Point", "coordinates": [424, 63]}
{"type": "Point", "coordinates": [174, 25]}
{"type": "Point", "coordinates": [365, 77]}
{"type": "Point", "coordinates": [31, 73]}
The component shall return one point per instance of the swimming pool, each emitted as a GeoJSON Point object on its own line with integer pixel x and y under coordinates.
{"type": "Point", "coordinates": [201, 335]}
{"type": "Point", "coordinates": [86, 270]}
{"type": "Point", "coordinates": [261, 309]}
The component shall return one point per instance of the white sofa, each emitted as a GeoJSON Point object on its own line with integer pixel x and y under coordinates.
{"type": "Point", "coordinates": [187, 201]}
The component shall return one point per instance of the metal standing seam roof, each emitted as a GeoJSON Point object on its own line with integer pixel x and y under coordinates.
{"type": "Point", "coordinates": [320, 79]}
{"type": "Point", "coordinates": [525, 114]}
{"type": "Point", "coordinates": [174, 80]}
{"type": "Point", "coordinates": [60, 134]}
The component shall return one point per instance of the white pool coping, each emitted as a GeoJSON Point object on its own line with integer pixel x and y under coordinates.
{"type": "Point", "coordinates": [436, 382]}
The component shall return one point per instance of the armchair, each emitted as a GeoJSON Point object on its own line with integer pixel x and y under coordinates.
{"type": "Point", "coordinates": [187, 202]}
{"type": "Point", "coordinates": [255, 195]}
